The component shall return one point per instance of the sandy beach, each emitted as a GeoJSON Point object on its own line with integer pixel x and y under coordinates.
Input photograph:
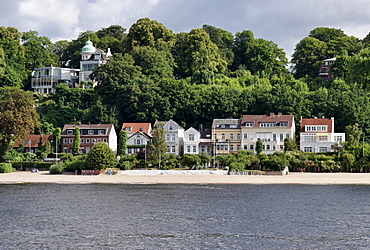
{"type": "Point", "coordinates": [292, 178]}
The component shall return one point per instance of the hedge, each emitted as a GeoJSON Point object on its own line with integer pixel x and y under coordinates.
{"type": "Point", "coordinates": [6, 168]}
{"type": "Point", "coordinates": [32, 164]}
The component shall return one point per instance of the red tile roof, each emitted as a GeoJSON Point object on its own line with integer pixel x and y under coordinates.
{"type": "Point", "coordinates": [315, 121]}
{"type": "Point", "coordinates": [271, 118]}
{"type": "Point", "coordinates": [137, 127]}
{"type": "Point", "coordinates": [34, 141]}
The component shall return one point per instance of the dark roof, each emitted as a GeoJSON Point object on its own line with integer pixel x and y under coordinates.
{"type": "Point", "coordinates": [108, 127]}
{"type": "Point", "coordinates": [271, 118]}
{"type": "Point", "coordinates": [34, 141]}
{"type": "Point", "coordinates": [217, 122]}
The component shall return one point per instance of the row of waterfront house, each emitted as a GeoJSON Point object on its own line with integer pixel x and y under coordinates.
{"type": "Point", "coordinates": [224, 137]}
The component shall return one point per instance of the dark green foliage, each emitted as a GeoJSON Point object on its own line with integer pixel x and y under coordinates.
{"type": "Point", "coordinates": [23, 165]}
{"type": "Point", "coordinates": [57, 168]}
{"type": "Point", "coordinates": [101, 157]}
{"type": "Point", "coordinates": [76, 141]}
{"type": "Point", "coordinates": [6, 168]}
{"type": "Point", "coordinates": [122, 143]}
{"type": "Point", "coordinates": [259, 146]}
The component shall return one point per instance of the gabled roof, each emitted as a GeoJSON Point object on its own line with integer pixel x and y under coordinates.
{"type": "Point", "coordinates": [189, 130]}
{"type": "Point", "coordinates": [271, 118]}
{"type": "Point", "coordinates": [141, 133]}
{"type": "Point", "coordinates": [317, 122]}
{"type": "Point", "coordinates": [164, 123]}
{"type": "Point", "coordinates": [135, 127]}
{"type": "Point", "coordinates": [34, 139]}
{"type": "Point", "coordinates": [218, 122]}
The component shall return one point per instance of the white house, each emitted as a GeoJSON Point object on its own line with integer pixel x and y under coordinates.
{"type": "Point", "coordinates": [191, 141]}
{"type": "Point", "coordinates": [137, 142]}
{"type": "Point", "coordinates": [317, 135]}
{"type": "Point", "coordinates": [271, 129]}
{"type": "Point", "coordinates": [45, 79]}
{"type": "Point", "coordinates": [91, 57]}
{"type": "Point", "coordinates": [174, 136]}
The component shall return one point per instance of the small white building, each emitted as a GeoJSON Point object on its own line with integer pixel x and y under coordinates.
{"type": "Point", "coordinates": [137, 142]}
{"type": "Point", "coordinates": [174, 136]}
{"type": "Point", "coordinates": [317, 135]}
{"type": "Point", "coordinates": [191, 141]}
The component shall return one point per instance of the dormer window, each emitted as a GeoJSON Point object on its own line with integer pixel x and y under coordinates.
{"type": "Point", "coordinates": [91, 132]}
{"type": "Point", "coordinates": [128, 129]}
{"type": "Point", "coordinates": [223, 126]}
{"type": "Point", "coordinates": [70, 132]}
{"type": "Point", "coordinates": [101, 132]}
{"type": "Point", "coordinates": [283, 124]}
{"type": "Point", "coordinates": [249, 124]}
{"type": "Point", "coordinates": [233, 126]}
{"type": "Point", "coordinates": [267, 125]}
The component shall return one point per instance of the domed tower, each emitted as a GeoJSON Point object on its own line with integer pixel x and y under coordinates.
{"type": "Point", "coordinates": [87, 50]}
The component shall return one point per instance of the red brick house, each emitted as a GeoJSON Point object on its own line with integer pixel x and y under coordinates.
{"type": "Point", "coordinates": [90, 134]}
{"type": "Point", "coordinates": [31, 143]}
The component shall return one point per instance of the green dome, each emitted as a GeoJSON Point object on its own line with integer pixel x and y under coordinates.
{"type": "Point", "coordinates": [88, 48]}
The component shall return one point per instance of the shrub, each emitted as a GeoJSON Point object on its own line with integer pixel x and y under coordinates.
{"type": "Point", "coordinates": [23, 165]}
{"type": "Point", "coordinates": [101, 157]}
{"type": "Point", "coordinates": [237, 166]}
{"type": "Point", "coordinates": [6, 168]}
{"type": "Point", "coordinates": [77, 165]}
{"type": "Point", "coordinates": [57, 168]}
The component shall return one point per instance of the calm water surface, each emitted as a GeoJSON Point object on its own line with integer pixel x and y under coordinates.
{"type": "Point", "coordinates": [99, 216]}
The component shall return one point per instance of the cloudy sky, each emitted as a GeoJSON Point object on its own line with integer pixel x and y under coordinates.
{"type": "Point", "coordinates": [284, 22]}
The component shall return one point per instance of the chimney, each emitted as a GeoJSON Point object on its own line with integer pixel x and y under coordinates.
{"type": "Point", "coordinates": [280, 114]}
{"type": "Point", "coordinates": [272, 114]}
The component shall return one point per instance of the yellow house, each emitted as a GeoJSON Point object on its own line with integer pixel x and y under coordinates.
{"type": "Point", "coordinates": [226, 136]}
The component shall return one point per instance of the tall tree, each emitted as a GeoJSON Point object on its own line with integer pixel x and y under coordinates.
{"type": "Point", "coordinates": [18, 117]}
{"type": "Point", "coordinates": [122, 143]}
{"type": "Point", "coordinates": [76, 141]}
{"type": "Point", "coordinates": [158, 146]}
{"type": "Point", "coordinates": [101, 157]}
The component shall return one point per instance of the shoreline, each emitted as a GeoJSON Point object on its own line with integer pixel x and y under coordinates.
{"type": "Point", "coordinates": [290, 179]}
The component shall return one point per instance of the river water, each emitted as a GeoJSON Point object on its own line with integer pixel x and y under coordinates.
{"type": "Point", "coordinates": [105, 216]}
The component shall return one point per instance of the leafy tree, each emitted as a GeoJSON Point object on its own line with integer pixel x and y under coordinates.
{"type": "Point", "coordinates": [39, 144]}
{"type": "Point", "coordinates": [47, 147]}
{"type": "Point", "coordinates": [259, 146]}
{"type": "Point", "coordinates": [157, 147]}
{"type": "Point", "coordinates": [18, 117]}
{"type": "Point", "coordinates": [353, 135]}
{"type": "Point", "coordinates": [101, 157]}
{"type": "Point", "coordinates": [122, 143]}
{"type": "Point", "coordinates": [359, 68]}
{"type": "Point", "coordinates": [76, 142]}
{"type": "Point", "coordinates": [59, 49]}
{"type": "Point", "coordinates": [243, 44]}
{"type": "Point", "coordinates": [191, 161]}
{"type": "Point", "coordinates": [307, 57]}
{"type": "Point", "coordinates": [289, 145]}
{"type": "Point", "coordinates": [56, 139]}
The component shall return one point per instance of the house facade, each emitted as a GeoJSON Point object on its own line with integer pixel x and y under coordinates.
{"type": "Point", "coordinates": [191, 141]}
{"type": "Point", "coordinates": [174, 136]}
{"type": "Point", "coordinates": [90, 134]}
{"type": "Point", "coordinates": [45, 79]}
{"type": "Point", "coordinates": [205, 142]}
{"type": "Point", "coordinates": [137, 142]}
{"type": "Point", "coordinates": [325, 69]}
{"type": "Point", "coordinates": [270, 129]}
{"type": "Point", "coordinates": [317, 135]}
{"type": "Point", "coordinates": [91, 57]}
{"type": "Point", "coordinates": [226, 136]}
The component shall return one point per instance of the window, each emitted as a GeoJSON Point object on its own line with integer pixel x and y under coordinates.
{"type": "Point", "coordinates": [231, 147]}
{"type": "Point", "coordinates": [317, 128]}
{"type": "Point", "coordinates": [287, 136]}
{"type": "Point", "coordinates": [173, 137]}
{"type": "Point", "coordinates": [264, 136]}
{"type": "Point", "coordinates": [231, 136]}
{"type": "Point", "coordinates": [69, 132]}
{"type": "Point", "coordinates": [307, 149]}
{"type": "Point", "coordinates": [223, 136]}
{"type": "Point", "coordinates": [245, 136]}
{"type": "Point", "coordinates": [233, 126]}
{"type": "Point", "coordinates": [215, 136]}
{"type": "Point", "coordinates": [251, 147]}
{"type": "Point", "coordinates": [138, 142]}
{"type": "Point", "coordinates": [249, 124]}
{"type": "Point", "coordinates": [338, 138]}
{"type": "Point", "coordinates": [170, 127]}
{"type": "Point", "coordinates": [173, 149]}
{"type": "Point", "coordinates": [308, 137]}
{"type": "Point", "coordinates": [274, 137]}
{"type": "Point", "coordinates": [101, 132]}
{"type": "Point", "coordinates": [82, 140]}
{"type": "Point", "coordinates": [245, 147]}
{"type": "Point", "coordinates": [64, 141]}
{"type": "Point", "coordinates": [238, 147]}
{"type": "Point", "coordinates": [70, 141]}
{"type": "Point", "coordinates": [225, 147]}
{"type": "Point", "coordinates": [194, 149]}
{"type": "Point", "coordinates": [99, 140]}
{"type": "Point", "coordinates": [281, 147]}
{"type": "Point", "coordinates": [168, 137]}
{"type": "Point", "coordinates": [267, 125]}
{"type": "Point", "coordinates": [87, 140]}
{"type": "Point", "coordinates": [168, 149]}
{"type": "Point", "coordinates": [191, 137]}
{"type": "Point", "coordinates": [65, 150]}
{"type": "Point", "coordinates": [283, 124]}
{"type": "Point", "coordinates": [104, 140]}
{"type": "Point", "coordinates": [188, 149]}
{"type": "Point", "coordinates": [91, 132]}
{"type": "Point", "coordinates": [323, 138]}
{"type": "Point", "coordinates": [238, 136]}
{"type": "Point", "coordinates": [323, 149]}
{"type": "Point", "coordinates": [267, 147]}
{"type": "Point", "coordinates": [128, 129]}
{"type": "Point", "coordinates": [281, 137]}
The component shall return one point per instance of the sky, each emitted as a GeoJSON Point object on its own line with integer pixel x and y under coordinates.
{"type": "Point", "coordinates": [285, 22]}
